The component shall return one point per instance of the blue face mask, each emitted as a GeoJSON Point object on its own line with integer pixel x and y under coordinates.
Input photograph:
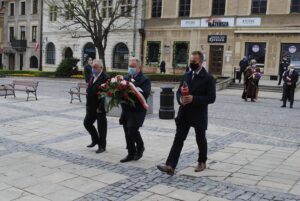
{"type": "Point", "coordinates": [132, 71]}
{"type": "Point", "coordinates": [95, 72]}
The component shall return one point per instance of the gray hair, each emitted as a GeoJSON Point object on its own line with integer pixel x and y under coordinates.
{"type": "Point", "coordinates": [137, 60]}
{"type": "Point", "coordinates": [98, 62]}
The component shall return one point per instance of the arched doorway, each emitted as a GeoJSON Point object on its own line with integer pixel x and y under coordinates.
{"type": "Point", "coordinates": [50, 53]}
{"type": "Point", "coordinates": [89, 50]}
{"type": "Point", "coordinates": [33, 62]}
{"type": "Point", "coordinates": [120, 56]}
{"type": "Point", "coordinates": [68, 53]}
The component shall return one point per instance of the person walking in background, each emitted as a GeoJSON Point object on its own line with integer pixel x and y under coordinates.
{"type": "Point", "coordinates": [88, 74]}
{"type": "Point", "coordinates": [197, 89]}
{"type": "Point", "coordinates": [282, 68]}
{"type": "Point", "coordinates": [290, 78]}
{"type": "Point", "coordinates": [162, 67]}
{"type": "Point", "coordinates": [249, 88]}
{"type": "Point", "coordinates": [255, 79]}
{"type": "Point", "coordinates": [95, 110]}
{"type": "Point", "coordinates": [243, 65]}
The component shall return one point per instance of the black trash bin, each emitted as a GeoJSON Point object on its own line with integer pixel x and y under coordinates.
{"type": "Point", "coordinates": [166, 110]}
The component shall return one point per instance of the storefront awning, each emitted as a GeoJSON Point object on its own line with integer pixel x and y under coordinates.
{"type": "Point", "coordinates": [267, 31]}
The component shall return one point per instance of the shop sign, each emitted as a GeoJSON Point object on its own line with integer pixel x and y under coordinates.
{"type": "Point", "coordinates": [217, 22]}
{"type": "Point", "coordinates": [217, 39]}
{"type": "Point", "coordinates": [190, 23]}
{"type": "Point", "coordinates": [248, 22]}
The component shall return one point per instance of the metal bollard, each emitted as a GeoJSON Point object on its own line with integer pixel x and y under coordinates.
{"type": "Point", "coordinates": [167, 110]}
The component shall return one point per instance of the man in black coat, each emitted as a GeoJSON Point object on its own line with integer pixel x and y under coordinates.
{"type": "Point", "coordinates": [243, 65]}
{"type": "Point", "coordinates": [193, 112]}
{"type": "Point", "coordinates": [290, 78]}
{"type": "Point", "coordinates": [95, 108]}
{"type": "Point", "coordinates": [132, 118]}
{"type": "Point", "coordinates": [88, 74]}
{"type": "Point", "coordinates": [282, 68]}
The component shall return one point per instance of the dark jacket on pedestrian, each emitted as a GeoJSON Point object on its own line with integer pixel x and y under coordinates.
{"type": "Point", "coordinates": [283, 67]}
{"type": "Point", "coordinates": [88, 74]}
{"type": "Point", "coordinates": [163, 67]}
{"type": "Point", "coordinates": [294, 78]}
{"type": "Point", "coordinates": [243, 65]}
{"type": "Point", "coordinates": [135, 116]}
{"type": "Point", "coordinates": [203, 90]}
{"type": "Point", "coordinates": [92, 100]}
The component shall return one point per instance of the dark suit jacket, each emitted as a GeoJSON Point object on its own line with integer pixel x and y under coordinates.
{"type": "Point", "coordinates": [243, 65]}
{"type": "Point", "coordinates": [294, 78]}
{"type": "Point", "coordinates": [92, 100]}
{"type": "Point", "coordinates": [203, 90]}
{"type": "Point", "coordinates": [88, 73]}
{"type": "Point", "coordinates": [135, 116]}
{"type": "Point", "coordinates": [283, 67]}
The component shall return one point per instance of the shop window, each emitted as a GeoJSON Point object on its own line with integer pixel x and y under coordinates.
{"type": "Point", "coordinates": [256, 51]}
{"type": "Point", "coordinates": [218, 7]}
{"type": "Point", "coordinates": [153, 52]}
{"type": "Point", "coordinates": [184, 8]}
{"type": "Point", "coordinates": [156, 8]}
{"type": "Point", "coordinates": [292, 52]}
{"type": "Point", "coordinates": [180, 54]}
{"type": "Point", "coordinates": [295, 6]}
{"type": "Point", "coordinates": [259, 7]}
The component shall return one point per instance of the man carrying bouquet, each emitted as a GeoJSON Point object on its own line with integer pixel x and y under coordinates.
{"type": "Point", "coordinates": [95, 108]}
{"type": "Point", "coordinates": [196, 91]}
{"type": "Point", "coordinates": [132, 117]}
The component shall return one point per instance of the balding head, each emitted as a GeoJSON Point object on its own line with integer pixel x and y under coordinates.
{"type": "Point", "coordinates": [97, 65]}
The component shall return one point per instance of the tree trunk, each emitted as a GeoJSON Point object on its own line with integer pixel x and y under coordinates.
{"type": "Point", "coordinates": [101, 54]}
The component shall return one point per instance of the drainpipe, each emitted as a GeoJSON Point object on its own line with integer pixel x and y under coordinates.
{"type": "Point", "coordinates": [142, 30]}
{"type": "Point", "coordinates": [134, 28]}
{"type": "Point", "coordinates": [41, 36]}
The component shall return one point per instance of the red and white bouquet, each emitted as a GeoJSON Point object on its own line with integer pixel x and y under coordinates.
{"type": "Point", "coordinates": [118, 91]}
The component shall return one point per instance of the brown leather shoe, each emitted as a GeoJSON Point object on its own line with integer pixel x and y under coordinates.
{"type": "Point", "coordinates": [200, 167]}
{"type": "Point", "coordinates": [167, 169]}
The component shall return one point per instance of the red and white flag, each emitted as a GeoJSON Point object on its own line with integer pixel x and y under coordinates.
{"type": "Point", "coordinates": [36, 47]}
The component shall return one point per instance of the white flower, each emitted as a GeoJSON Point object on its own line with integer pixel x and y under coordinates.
{"type": "Point", "coordinates": [102, 85]}
{"type": "Point", "coordinates": [132, 80]}
{"type": "Point", "coordinates": [113, 80]}
{"type": "Point", "coordinates": [123, 82]}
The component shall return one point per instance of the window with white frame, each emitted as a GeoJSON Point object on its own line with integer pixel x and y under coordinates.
{"type": "Point", "coordinates": [22, 33]}
{"type": "Point", "coordinates": [11, 9]}
{"type": "Point", "coordinates": [126, 7]}
{"type": "Point", "coordinates": [34, 34]}
{"type": "Point", "coordinates": [22, 8]}
{"type": "Point", "coordinates": [52, 13]}
{"type": "Point", "coordinates": [35, 5]}
{"type": "Point", "coordinates": [107, 8]}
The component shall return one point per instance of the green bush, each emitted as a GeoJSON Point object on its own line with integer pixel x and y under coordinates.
{"type": "Point", "coordinates": [67, 67]}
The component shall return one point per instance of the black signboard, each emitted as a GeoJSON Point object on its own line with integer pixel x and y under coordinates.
{"type": "Point", "coordinates": [217, 39]}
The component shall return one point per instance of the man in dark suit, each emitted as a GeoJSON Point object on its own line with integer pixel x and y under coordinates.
{"type": "Point", "coordinates": [282, 68]}
{"type": "Point", "coordinates": [290, 78]}
{"type": "Point", "coordinates": [243, 65]}
{"type": "Point", "coordinates": [95, 108]}
{"type": "Point", "coordinates": [132, 118]}
{"type": "Point", "coordinates": [193, 112]}
{"type": "Point", "coordinates": [88, 74]}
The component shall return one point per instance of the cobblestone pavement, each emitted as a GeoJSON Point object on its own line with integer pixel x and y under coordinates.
{"type": "Point", "coordinates": [254, 151]}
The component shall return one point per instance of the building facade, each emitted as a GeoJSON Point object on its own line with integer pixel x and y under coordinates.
{"type": "Point", "coordinates": [2, 12]}
{"type": "Point", "coordinates": [122, 43]}
{"type": "Point", "coordinates": [225, 31]}
{"type": "Point", "coordinates": [21, 34]}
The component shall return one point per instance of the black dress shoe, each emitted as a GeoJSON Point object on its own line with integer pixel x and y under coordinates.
{"type": "Point", "coordinates": [167, 169]}
{"type": "Point", "coordinates": [100, 150]}
{"type": "Point", "coordinates": [127, 158]}
{"type": "Point", "coordinates": [139, 154]}
{"type": "Point", "coordinates": [91, 145]}
{"type": "Point", "coordinates": [291, 106]}
{"type": "Point", "coordinates": [283, 106]}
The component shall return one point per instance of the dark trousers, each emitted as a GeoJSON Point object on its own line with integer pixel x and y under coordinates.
{"type": "Point", "coordinates": [134, 139]}
{"type": "Point", "coordinates": [99, 136]}
{"type": "Point", "coordinates": [280, 79]}
{"type": "Point", "coordinates": [288, 94]}
{"type": "Point", "coordinates": [181, 134]}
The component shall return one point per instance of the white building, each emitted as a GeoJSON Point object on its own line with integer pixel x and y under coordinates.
{"type": "Point", "coordinates": [59, 43]}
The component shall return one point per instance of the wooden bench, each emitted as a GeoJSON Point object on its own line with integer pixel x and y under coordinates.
{"type": "Point", "coordinates": [78, 91]}
{"type": "Point", "coordinates": [28, 86]}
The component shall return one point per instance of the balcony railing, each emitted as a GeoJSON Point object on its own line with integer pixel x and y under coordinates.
{"type": "Point", "coordinates": [19, 45]}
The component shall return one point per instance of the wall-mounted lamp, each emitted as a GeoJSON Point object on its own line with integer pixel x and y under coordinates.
{"type": "Point", "coordinates": [228, 47]}
{"type": "Point", "coordinates": [202, 47]}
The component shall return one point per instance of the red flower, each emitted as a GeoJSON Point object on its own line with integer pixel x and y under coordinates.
{"type": "Point", "coordinates": [99, 93]}
{"type": "Point", "coordinates": [125, 96]}
{"type": "Point", "coordinates": [109, 94]}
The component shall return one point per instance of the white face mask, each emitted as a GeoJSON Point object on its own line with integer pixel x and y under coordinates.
{"type": "Point", "coordinates": [253, 65]}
